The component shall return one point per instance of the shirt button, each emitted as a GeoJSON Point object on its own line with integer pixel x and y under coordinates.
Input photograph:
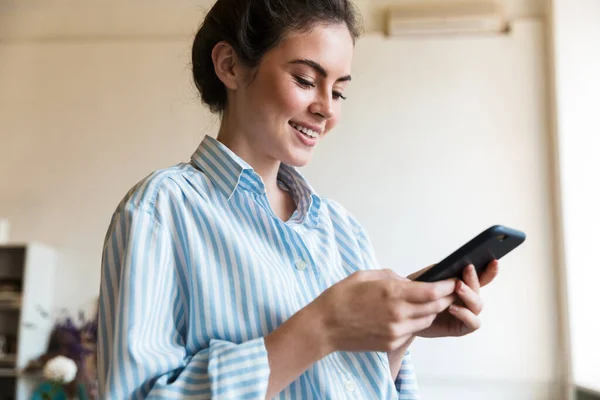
{"type": "Point", "coordinates": [349, 385]}
{"type": "Point", "coordinates": [301, 265]}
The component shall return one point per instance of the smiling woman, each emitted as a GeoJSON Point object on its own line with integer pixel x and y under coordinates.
{"type": "Point", "coordinates": [289, 100]}
{"type": "Point", "coordinates": [229, 276]}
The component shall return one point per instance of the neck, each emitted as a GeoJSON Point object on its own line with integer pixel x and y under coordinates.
{"type": "Point", "coordinates": [267, 167]}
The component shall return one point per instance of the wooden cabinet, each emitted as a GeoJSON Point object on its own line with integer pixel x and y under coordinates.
{"type": "Point", "coordinates": [26, 302]}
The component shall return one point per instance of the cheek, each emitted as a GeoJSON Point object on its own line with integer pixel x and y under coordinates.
{"type": "Point", "coordinates": [272, 96]}
{"type": "Point", "coordinates": [293, 99]}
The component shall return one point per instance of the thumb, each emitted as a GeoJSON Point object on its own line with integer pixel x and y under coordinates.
{"type": "Point", "coordinates": [414, 275]}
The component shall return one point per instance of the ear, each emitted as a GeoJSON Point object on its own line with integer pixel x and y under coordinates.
{"type": "Point", "coordinates": [225, 61]}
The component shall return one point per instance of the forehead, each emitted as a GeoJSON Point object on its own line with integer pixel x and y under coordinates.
{"type": "Point", "coordinates": [329, 45]}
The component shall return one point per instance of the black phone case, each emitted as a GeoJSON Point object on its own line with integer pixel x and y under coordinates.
{"type": "Point", "coordinates": [491, 244]}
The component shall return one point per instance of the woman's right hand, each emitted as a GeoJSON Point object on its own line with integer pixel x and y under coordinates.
{"type": "Point", "coordinates": [377, 310]}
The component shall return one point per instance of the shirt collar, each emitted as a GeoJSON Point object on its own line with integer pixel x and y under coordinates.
{"type": "Point", "coordinates": [308, 202]}
{"type": "Point", "coordinates": [229, 173]}
{"type": "Point", "coordinates": [225, 169]}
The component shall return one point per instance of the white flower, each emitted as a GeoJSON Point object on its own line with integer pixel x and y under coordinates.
{"type": "Point", "coordinates": [60, 369]}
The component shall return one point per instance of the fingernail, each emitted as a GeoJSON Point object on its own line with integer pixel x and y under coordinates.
{"type": "Point", "coordinates": [460, 286]}
{"type": "Point", "coordinates": [453, 309]}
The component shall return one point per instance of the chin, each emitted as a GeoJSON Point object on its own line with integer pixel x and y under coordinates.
{"type": "Point", "coordinates": [298, 158]}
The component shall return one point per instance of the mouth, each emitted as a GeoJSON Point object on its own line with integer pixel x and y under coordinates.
{"type": "Point", "coordinates": [304, 130]}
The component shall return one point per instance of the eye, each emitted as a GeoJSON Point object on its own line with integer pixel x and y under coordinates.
{"type": "Point", "coordinates": [338, 95]}
{"type": "Point", "coordinates": [304, 82]}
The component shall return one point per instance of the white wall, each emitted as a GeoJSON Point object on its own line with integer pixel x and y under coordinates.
{"type": "Point", "coordinates": [577, 77]}
{"type": "Point", "coordinates": [444, 136]}
{"type": "Point", "coordinates": [80, 124]}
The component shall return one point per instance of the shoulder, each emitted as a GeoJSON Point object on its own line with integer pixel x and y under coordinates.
{"type": "Point", "coordinates": [339, 216]}
{"type": "Point", "coordinates": [162, 188]}
{"type": "Point", "coordinates": [350, 235]}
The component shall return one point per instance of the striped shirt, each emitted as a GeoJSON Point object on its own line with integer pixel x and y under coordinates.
{"type": "Point", "coordinates": [197, 270]}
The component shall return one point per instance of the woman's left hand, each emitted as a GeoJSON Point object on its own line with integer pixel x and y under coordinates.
{"type": "Point", "coordinates": [462, 317]}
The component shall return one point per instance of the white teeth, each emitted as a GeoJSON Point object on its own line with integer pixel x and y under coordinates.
{"type": "Point", "coordinates": [306, 131]}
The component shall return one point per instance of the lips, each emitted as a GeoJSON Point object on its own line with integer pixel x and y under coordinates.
{"type": "Point", "coordinates": [305, 138]}
{"type": "Point", "coordinates": [306, 130]}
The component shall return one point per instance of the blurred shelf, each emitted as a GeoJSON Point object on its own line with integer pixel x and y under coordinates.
{"type": "Point", "coordinates": [10, 296]}
{"type": "Point", "coordinates": [8, 358]}
{"type": "Point", "coordinates": [8, 361]}
{"type": "Point", "coordinates": [10, 301]}
{"type": "Point", "coordinates": [10, 307]}
{"type": "Point", "coordinates": [26, 279]}
{"type": "Point", "coordinates": [8, 373]}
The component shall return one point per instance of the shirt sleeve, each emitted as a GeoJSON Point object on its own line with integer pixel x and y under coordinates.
{"type": "Point", "coordinates": [142, 330]}
{"type": "Point", "coordinates": [406, 381]}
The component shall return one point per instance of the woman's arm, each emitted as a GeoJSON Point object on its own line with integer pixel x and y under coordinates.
{"type": "Point", "coordinates": [395, 358]}
{"type": "Point", "coordinates": [144, 348]}
{"type": "Point", "coordinates": [297, 344]}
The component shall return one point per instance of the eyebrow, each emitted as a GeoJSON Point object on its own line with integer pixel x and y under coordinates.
{"type": "Point", "coordinates": [319, 68]}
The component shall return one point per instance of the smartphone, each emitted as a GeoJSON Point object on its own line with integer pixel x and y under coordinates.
{"type": "Point", "coordinates": [491, 244]}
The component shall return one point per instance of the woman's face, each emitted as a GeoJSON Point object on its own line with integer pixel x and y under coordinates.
{"type": "Point", "coordinates": [294, 97]}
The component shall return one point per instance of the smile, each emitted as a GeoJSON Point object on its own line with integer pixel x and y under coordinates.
{"type": "Point", "coordinates": [307, 131]}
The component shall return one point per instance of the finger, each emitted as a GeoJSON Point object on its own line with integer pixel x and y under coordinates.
{"type": "Point", "coordinates": [470, 320]}
{"type": "Point", "coordinates": [425, 292]}
{"type": "Point", "coordinates": [470, 278]}
{"type": "Point", "coordinates": [420, 324]}
{"type": "Point", "coordinates": [490, 272]}
{"type": "Point", "coordinates": [434, 307]}
{"type": "Point", "coordinates": [471, 299]}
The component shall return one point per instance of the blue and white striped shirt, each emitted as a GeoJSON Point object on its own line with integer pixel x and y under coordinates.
{"type": "Point", "coordinates": [197, 270]}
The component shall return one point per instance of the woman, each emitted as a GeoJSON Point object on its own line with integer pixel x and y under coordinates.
{"type": "Point", "coordinates": [228, 276]}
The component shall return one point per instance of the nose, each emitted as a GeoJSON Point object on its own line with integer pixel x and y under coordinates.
{"type": "Point", "coordinates": [322, 106]}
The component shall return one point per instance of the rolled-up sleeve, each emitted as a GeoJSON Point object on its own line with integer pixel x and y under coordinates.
{"type": "Point", "coordinates": [406, 381]}
{"type": "Point", "coordinates": [142, 327]}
